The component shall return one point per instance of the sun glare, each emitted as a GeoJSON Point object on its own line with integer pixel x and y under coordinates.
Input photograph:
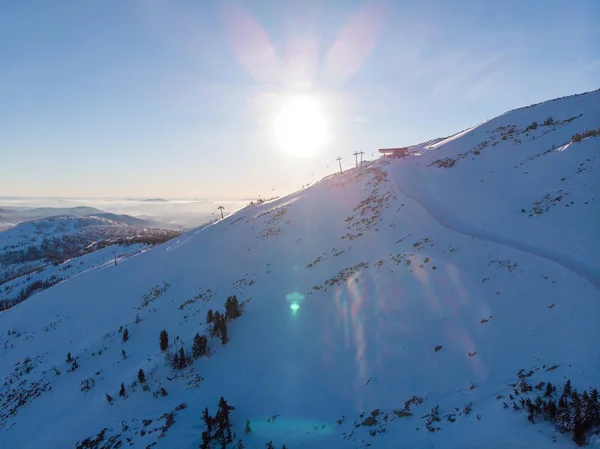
{"type": "Point", "coordinates": [300, 128]}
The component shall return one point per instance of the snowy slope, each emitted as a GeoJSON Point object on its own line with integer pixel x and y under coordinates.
{"type": "Point", "coordinates": [406, 280]}
{"type": "Point", "coordinates": [50, 273]}
{"type": "Point", "coordinates": [38, 254]}
{"type": "Point", "coordinates": [33, 233]}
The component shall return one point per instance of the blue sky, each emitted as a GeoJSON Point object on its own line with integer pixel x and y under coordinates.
{"type": "Point", "coordinates": [176, 98]}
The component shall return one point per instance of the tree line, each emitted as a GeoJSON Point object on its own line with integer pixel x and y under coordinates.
{"type": "Point", "coordinates": [217, 322]}
{"type": "Point", "coordinates": [573, 412]}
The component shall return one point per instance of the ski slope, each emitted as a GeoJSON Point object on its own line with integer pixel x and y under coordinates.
{"type": "Point", "coordinates": [402, 280]}
{"type": "Point", "coordinates": [37, 254]}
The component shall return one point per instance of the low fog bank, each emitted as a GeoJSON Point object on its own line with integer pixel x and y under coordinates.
{"type": "Point", "coordinates": [168, 213]}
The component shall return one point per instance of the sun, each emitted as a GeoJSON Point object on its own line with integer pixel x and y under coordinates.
{"type": "Point", "coordinates": [301, 126]}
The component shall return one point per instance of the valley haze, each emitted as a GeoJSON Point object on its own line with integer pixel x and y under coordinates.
{"type": "Point", "coordinates": [165, 212]}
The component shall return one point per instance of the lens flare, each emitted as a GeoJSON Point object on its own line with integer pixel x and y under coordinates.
{"type": "Point", "coordinates": [295, 299]}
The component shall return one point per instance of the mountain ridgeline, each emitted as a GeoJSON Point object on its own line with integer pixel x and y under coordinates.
{"type": "Point", "coordinates": [448, 299]}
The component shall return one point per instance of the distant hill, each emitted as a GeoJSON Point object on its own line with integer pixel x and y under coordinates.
{"type": "Point", "coordinates": [12, 216]}
{"type": "Point", "coordinates": [30, 250]}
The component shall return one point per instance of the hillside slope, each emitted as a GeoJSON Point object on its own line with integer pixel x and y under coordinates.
{"type": "Point", "coordinates": [37, 254]}
{"type": "Point", "coordinates": [397, 305]}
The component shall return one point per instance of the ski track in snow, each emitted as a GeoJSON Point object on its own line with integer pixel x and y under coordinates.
{"type": "Point", "coordinates": [448, 220]}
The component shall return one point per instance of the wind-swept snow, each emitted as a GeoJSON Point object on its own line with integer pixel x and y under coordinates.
{"type": "Point", "coordinates": [436, 145]}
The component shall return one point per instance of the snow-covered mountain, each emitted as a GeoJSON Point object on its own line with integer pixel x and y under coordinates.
{"type": "Point", "coordinates": [11, 216]}
{"type": "Point", "coordinates": [38, 254]}
{"type": "Point", "coordinates": [417, 302]}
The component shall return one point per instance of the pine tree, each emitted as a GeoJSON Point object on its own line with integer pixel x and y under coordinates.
{"type": "Point", "coordinates": [567, 389]}
{"type": "Point", "coordinates": [123, 354]}
{"type": "Point", "coordinates": [205, 440]}
{"type": "Point", "coordinates": [164, 340]}
{"type": "Point", "coordinates": [594, 408]}
{"type": "Point", "coordinates": [578, 427]}
{"type": "Point", "coordinates": [270, 445]}
{"type": "Point", "coordinates": [551, 410]}
{"type": "Point", "coordinates": [530, 411]}
{"type": "Point", "coordinates": [248, 429]}
{"type": "Point", "coordinates": [141, 376]}
{"type": "Point", "coordinates": [200, 346]}
{"type": "Point", "coordinates": [182, 358]}
{"type": "Point", "coordinates": [216, 320]}
{"type": "Point", "coordinates": [175, 361]}
{"type": "Point", "coordinates": [223, 433]}
{"type": "Point", "coordinates": [109, 398]}
{"type": "Point", "coordinates": [208, 420]}
{"type": "Point", "coordinates": [69, 358]}
{"type": "Point", "coordinates": [209, 316]}
{"type": "Point", "coordinates": [125, 335]}
{"type": "Point", "coordinates": [232, 308]}
{"type": "Point", "coordinates": [549, 390]}
{"type": "Point", "coordinates": [220, 327]}
{"type": "Point", "coordinates": [563, 415]}
{"type": "Point", "coordinates": [122, 390]}
{"type": "Point", "coordinates": [224, 338]}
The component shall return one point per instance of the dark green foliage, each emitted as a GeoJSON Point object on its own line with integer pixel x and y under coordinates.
{"type": "Point", "coordinates": [125, 335]}
{"type": "Point", "coordinates": [208, 420]}
{"type": "Point", "coordinates": [209, 316]}
{"type": "Point", "coordinates": [218, 428]}
{"type": "Point", "coordinates": [69, 358]}
{"type": "Point", "coordinates": [567, 389]}
{"type": "Point", "coordinates": [109, 398]}
{"type": "Point", "coordinates": [549, 121]}
{"type": "Point", "coordinates": [248, 429]}
{"type": "Point", "coordinates": [205, 440]}
{"type": "Point", "coordinates": [74, 365]}
{"type": "Point", "coordinates": [123, 354]}
{"type": "Point", "coordinates": [533, 126]}
{"type": "Point", "coordinates": [182, 359]}
{"type": "Point", "coordinates": [579, 427]}
{"type": "Point", "coordinates": [200, 346]}
{"type": "Point", "coordinates": [572, 412]}
{"type": "Point", "coordinates": [164, 340]}
{"type": "Point", "coordinates": [233, 309]}
{"type": "Point", "coordinates": [122, 390]}
{"type": "Point", "coordinates": [587, 133]}
{"type": "Point", "coordinates": [141, 376]}
{"type": "Point", "coordinates": [270, 445]}
{"type": "Point", "coordinates": [219, 328]}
